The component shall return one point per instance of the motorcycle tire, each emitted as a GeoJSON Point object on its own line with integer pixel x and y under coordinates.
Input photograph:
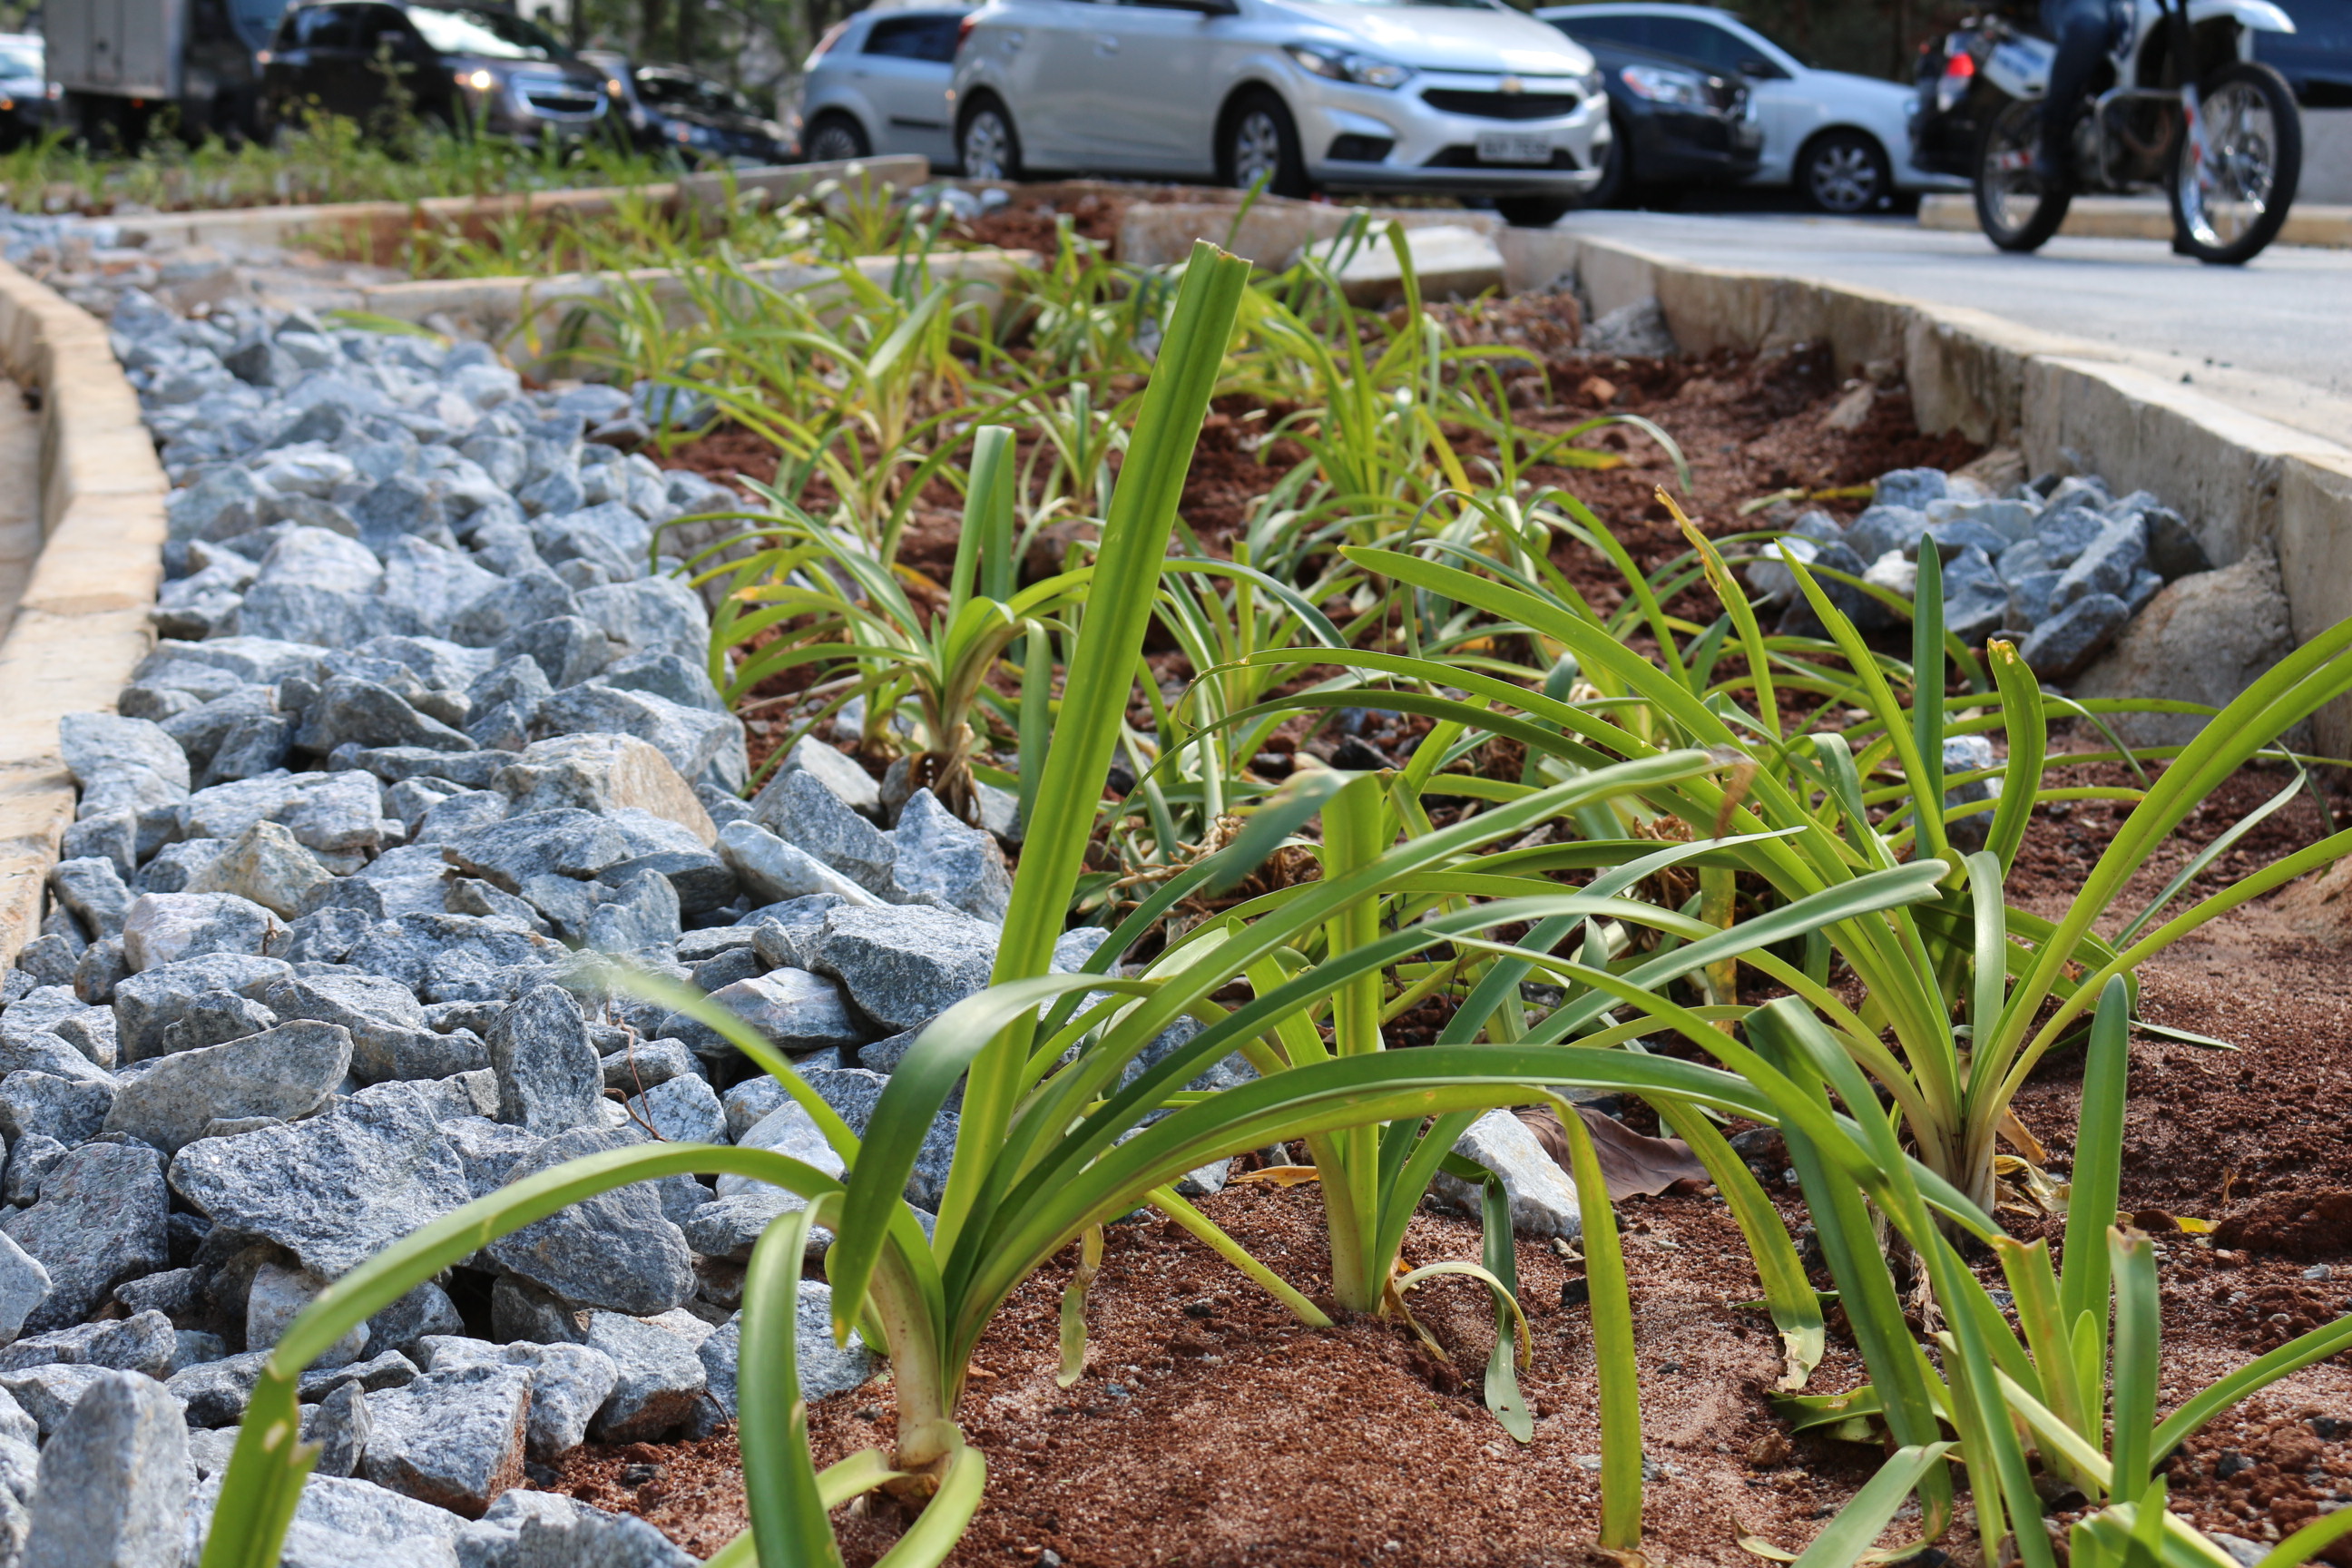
{"type": "Point", "coordinates": [2012, 209]}
{"type": "Point", "coordinates": [2231, 99]}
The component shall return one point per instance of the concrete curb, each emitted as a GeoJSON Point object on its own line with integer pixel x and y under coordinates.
{"type": "Point", "coordinates": [540, 322]}
{"type": "Point", "coordinates": [2145, 217]}
{"type": "Point", "coordinates": [82, 626]}
{"type": "Point", "coordinates": [375, 229]}
{"type": "Point", "coordinates": [2243, 480]}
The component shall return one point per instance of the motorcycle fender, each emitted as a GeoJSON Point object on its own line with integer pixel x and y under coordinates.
{"type": "Point", "coordinates": [2254, 15]}
{"type": "Point", "coordinates": [2020, 66]}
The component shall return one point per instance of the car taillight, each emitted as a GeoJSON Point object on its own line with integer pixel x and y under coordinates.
{"type": "Point", "coordinates": [831, 37]}
{"type": "Point", "coordinates": [963, 28]}
{"type": "Point", "coordinates": [1960, 65]}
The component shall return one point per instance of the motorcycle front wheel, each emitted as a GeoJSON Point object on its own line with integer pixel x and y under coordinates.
{"type": "Point", "coordinates": [2014, 207]}
{"type": "Point", "coordinates": [2229, 201]}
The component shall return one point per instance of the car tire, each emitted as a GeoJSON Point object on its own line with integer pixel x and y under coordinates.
{"type": "Point", "coordinates": [1534, 212]}
{"type": "Point", "coordinates": [1616, 186]}
{"type": "Point", "coordinates": [987, 146]}
{"type": "Point", "coordinates": [1258, 139]}
{"type": "Point", "coordinates": [834, 138]}
{"type": "Point", "coordinates": [1845, 173]}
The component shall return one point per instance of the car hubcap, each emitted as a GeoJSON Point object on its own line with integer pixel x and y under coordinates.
{"type": "Point", "coordinates": [1257, 149]}
{"type": "Point", "coordinates": [1845, 178]}
{"type": "Point", "coordinates": [832, 145]}
{"type": "Point", "coordinates": [986, 147]}
{"type": "Point", "coordinates": [2225, 192]}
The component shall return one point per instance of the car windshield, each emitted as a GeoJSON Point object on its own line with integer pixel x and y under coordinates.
{"type": "Point", "coordinates": [491, 34]}
{"type": "Point", "coordinates": [1431, 5]}
{"type": "Point", "coordinates": [1780, 43]}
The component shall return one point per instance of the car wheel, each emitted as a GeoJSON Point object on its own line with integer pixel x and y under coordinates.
{"type": "Point", "coordinates": [1533, 212]}
{"type": "Point", "coordinates": [837, 139]}
{"type": "Point", "coordinates": [986, 143]}
{"type": "Point", "coordinates": [1845, 172]}
{"type": "Point", "coordinates": [1616, 185]}
{"type": "Point", "coordinates": [1260, 141]}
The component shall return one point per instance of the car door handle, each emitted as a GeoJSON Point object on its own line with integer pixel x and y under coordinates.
{"type": "Point", "coordinates": [1106, 44]}
{"type": "Point", "coordinates": [1011, 43]}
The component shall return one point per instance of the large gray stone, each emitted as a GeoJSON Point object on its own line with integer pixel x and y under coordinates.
{"type": "Point", "coordinates": [457, 958]}
{"type": "Point", "coordinates": [566, 843]}
{"type": "Point", "coordinates": [285, 1072]}
{"type": "Point", "coordinates": [341, 1524]}
{"type": "Point", "coordinates": [700, 744]}
{"type": "Point", "coordinates": [114, 1480]}
{"type": "Point", "coordinates": [144, 1343]}
{"type": "Point", "coordinates": [660, 1380]}
{"type": "Point", "coordinates": [99, 1221]}
{"type": "Point", "coordinates": [947, 862]}
{"type": "Point", "coordinates": [93, 889]}
{"type": "Point", "coordinates": [333, 1190]}
{"type": "Point", "coordinates": [148, 1003]}
{"type": "Point", "coordinates": [549, 1530]}
{"type": "Point", "coordinates": [164, 928]}
{"type": "Point", "coordinates": [1543, 1197]}
{"type": "Point", "coordinates": [642, 914]}
{"type": "Point", "coordinates": [795, 1011]}
{"type": "Point", "coordinates": [390, 1037]}
{"type": "Point", "coordinates": [568, 1384]}
{"type": "Point", "coordinates": [2063, 646]}
{"type": "Point", "coordinates": [550, 1077]}
{"type": "Point", "coordinates": [122, 764]}
{"type": "Point", "coordinates": [2106, 565]}
{"type": "Point", "coordinates": [24, 1286]}
{"type": "Point", "coordinates": [454, 1438]}
{"type": "Point", "coordinates": [904, 966]}
{"type": "Point", "coordinates": [655, 615]}
{"type": "Point", "coordinates": [352, 711]}
{"type": "Point", "coordinates": [602, 773]}
{"type": "Point", "coordinates": [269, 867]}
{"type": "Point", "coordinates": [341, 1426]}
{"type": "Point", "coordinates": [801, 810]}
{"type": "Point", "coordinates": [2205, 638]}
{"type": "Point", "coordinates": [683, 1110]}
{"type": "Point", "coordinates": [332, 813]}
{"type": "Point", "coordinates": [277, 1296]}
{"type": "Point", "coordinates": [850, 784]}
{"type": "Point", "coordinates": [772, 871]}
{"type": "Point", "coordinates": [617, 1250]}
{"type": "Point", "coordinates": [823, 1368]}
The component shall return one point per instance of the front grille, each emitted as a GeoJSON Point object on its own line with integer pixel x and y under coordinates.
{"type": "Point", "coordinates": [1501, 105]}
{"type": "Point", "coordinates": [1464, 157]}
{"type": "Point", "coordinates": [553, 98]}
{"type": "Point", "coordinates": [1353, 149]}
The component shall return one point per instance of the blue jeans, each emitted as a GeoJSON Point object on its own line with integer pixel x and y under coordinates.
{"type": "Point", "coordinates": [2081, 28]}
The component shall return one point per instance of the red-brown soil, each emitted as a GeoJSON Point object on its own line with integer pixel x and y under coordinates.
{"type": "Point", "coordinates": [1244, 1438]}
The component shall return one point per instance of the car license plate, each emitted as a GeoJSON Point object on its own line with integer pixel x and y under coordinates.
{"type": "Point", "coordinates": [1502, 147]}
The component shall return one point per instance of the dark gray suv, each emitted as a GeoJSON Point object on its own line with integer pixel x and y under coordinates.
{"type": "Point", "coordinates": [464, 66]}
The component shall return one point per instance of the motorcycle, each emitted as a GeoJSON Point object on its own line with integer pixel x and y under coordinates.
{"type": "Point", "coordinates": [2186, 110]}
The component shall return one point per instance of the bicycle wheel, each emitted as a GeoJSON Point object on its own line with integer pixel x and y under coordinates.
{"type": "Point", "coordinates": [2015, 208]}
{"type": "Point", "coordinates": [2230, 199]}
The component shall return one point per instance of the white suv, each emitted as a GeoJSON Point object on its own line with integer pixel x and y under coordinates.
{"type": "Point", "coordinates": [1462, 96]}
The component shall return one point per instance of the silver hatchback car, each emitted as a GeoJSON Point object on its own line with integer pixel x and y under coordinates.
{"type": "Point", "coordinates": [1459, 97]}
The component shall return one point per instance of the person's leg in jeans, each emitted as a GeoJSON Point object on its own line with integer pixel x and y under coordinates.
{"type": "Point", "coordinates": [2079, 28]}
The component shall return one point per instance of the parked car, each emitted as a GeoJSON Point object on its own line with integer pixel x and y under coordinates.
{"type": "Point", "coordinates": [1843, 141]}
{"type": "Point", "coordinates": [1460, 97]}
{"type": "Point", "coordinates": [2317, 57]}
{"type": "Point", "coordinates": [877, 83]}
{"type": "Point", "coordinates": [28, 102]}
{"type": "Point", "coordinates": [1678, 123]}
{"type": "Point", "coordinates": [463, 65]}
{"type": "Point", "coordinates": [671, 107]}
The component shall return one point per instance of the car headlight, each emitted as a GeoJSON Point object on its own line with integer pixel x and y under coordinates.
{"type": "Point", "coordinates": [1592, 84]}
{"type": "Point", "coordinates": [478, 81]}
{"type": "Point", "coordinates": [1339, 64]}
{"type": "Point", "coordinates": [1663, 84]}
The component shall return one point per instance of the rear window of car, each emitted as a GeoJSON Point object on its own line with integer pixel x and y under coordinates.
{"type": "Point", "coordinates": [915, 37]}
{"type": "Point", "coordinates": [1633, 30]}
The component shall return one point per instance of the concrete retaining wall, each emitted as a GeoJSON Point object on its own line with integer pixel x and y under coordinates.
{"type": "Point", "coordinates": [373, 231]}
{"type": "Point", "coordinates": [2242, 480]}
{"type": "Point", "coordinates": [82, 625]}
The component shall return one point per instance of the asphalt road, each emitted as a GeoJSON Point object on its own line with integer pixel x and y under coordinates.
{"type": "Point", "coordinates": [2273, 338]}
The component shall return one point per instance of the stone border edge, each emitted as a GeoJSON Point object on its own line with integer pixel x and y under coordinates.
{"type": "Point", "coordinates": [2251, 481]}
{"type": "Point", "coordinates": [82, 626]}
